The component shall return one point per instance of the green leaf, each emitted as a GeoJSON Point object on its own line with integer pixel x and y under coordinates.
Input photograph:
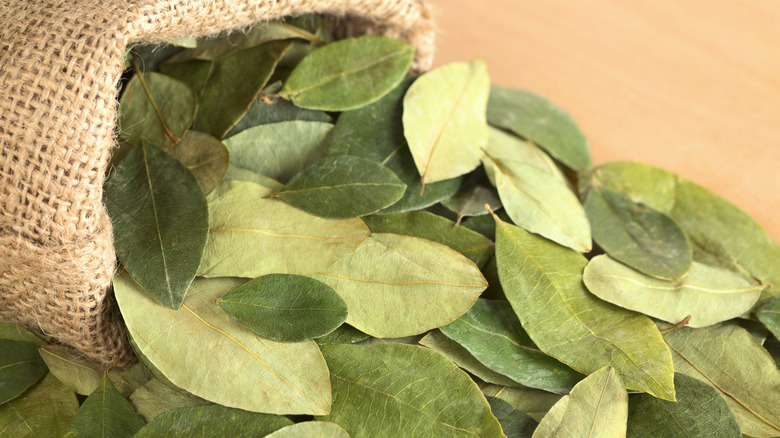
{"type": "Point", "coordinates": [313, 429]}
{"type": "Point", "coordinates": [472, 201]}
{"type": "Point", "coordinates": [141, 114]}
{"type": "Point", "coordinates": [212, 421]}
{"type": "Point", "coordinates": [348, 74]}
{"type": "Point", "coordinates": [45, 410]}
{"type": "Point", "coordinates": [279, 150]}
{"type": "Point", "coordinates": [235, 173]}
{"type": "Point", "coordinates": [540, 121]}
{"type": "Point", "coordinates": [16, 332]}
{"type": "Point", "coordinates": [596, 407]}
{"type": "Point", "coordinates": [20, 367]}
{"type": "Point", "coordinates": [707, 294]}
{"type": "Point", "coordinates": [77, 373]}
{"type": "Point", "coordinates": [538, 274]}
{"type": "Point", "coordinates": [105, 413]}
{"type": "Point", "coordinates": [204, 155]}
{"type": "Point", "coordinates": [423, 224]}
{"type": "Point", "coordinates": [444, 120]}
{"type": "Point", "coordinates": [769, 315]}
{"type": "Point", "coordinates": [155, 397]}
{"type": "Point", "coordinates": [514, 423]}
{"type": "Point", "coordinates": [286, 308]}
{"type": "Point", "coordinates": [532, 402]}
{"type": "Point", "coordinates": [438, 342]}
{"type": "Point", "coordinates": [248, 373]}
{"type": "Point", "coordinates": [505, 146]}
{"type": "Point", "coordinates": [491, 332]}
{"type": "Point", "coordinates": [234, 83]}
{"type": "Point", "coordinates": [342, 187]}
{"type": "Point", "coordinates": [419, 392]}
{"type": "Point", "coordinates": [160, 220]}
{"type": "Point", "coordinates": [344, 334]}
{"type": "Point", "coordinates": [540, 203]}
{"type": "Point", "coordinates": [252, 236]}
{"type": "Point", "coordinates": [728, 358]}
{"type": "Point", "coordinates": [266, 111]}
{"type": "Point", "coordinates": [642, 238]}
{"type": "Point", "coordinates": [390, 282]}
{"type": "Point", "coordinates": [699, 411]}
{"type": "Point", "coordinates": [195, 74]}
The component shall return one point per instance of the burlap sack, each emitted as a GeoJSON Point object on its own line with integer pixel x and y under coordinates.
{"type": "Point", "coordinates": [60, 63]}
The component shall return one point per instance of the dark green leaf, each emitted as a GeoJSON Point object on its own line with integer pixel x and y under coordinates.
{"type": "Point", "coordinates": [343, 186]}
{"type": "Point", "coordinates": [699, 412]}
{"type": "Point", "coordinates": [514, 423]}
{"type": "Point", "coordinates": [472, 201]}
{"type": "Point", "coordinates": [195, 74]}
{"type": "Point", "coordinates": [21, 366]}
{"type": "Point", "coordinates": [286, 308]}
{"type": "Point", "coordinates": [344, 334]}
{"type": "Point", "coordinates": [45, 410]}
{"type": "Point", "coordinates": [160, 220]}
{"type": "Point", "coordinates": [769, 315]}
{"type": "Point", "coordinates": [265, 111]}
{"type": "Point", "coordinates": [348, 74]}
{"type": "Point", "coordinates": [204, 155]}
{"type": "Point", "coordinates": [419, 392]}
{"type": "Point", "coordinates": [105, 413]}
{"type": "Point", "coordinates": [150, 56]}
{"type": "Point", "coordinates": [491, 332]}
{"type": "Point", "coordinates": [212, 421]}
{"type": "Point", "coordinates": [538, 120]}
{"type": "Point", "coordinates": [429, 226]}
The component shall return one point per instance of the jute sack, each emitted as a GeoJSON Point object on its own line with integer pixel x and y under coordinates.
{"type": "Point", "coordinates": [60, 64]}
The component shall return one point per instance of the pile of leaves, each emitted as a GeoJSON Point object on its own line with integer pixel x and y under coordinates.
{"type": "Point", "coordinates": [315, 243]}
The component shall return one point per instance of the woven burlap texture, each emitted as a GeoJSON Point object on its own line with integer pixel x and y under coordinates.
{"type": "Point", "coordinates": [60, 65]}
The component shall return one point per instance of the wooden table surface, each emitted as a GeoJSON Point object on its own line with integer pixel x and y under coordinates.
{"type": "Point", "coordinates": [692, 86]}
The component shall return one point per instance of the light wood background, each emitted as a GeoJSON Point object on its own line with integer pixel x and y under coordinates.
{"type": "Point", "coordinates": [692, 86]}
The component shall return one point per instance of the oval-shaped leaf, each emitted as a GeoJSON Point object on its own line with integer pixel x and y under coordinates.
{"type": "Point", "coordinates": [540, 121]}
{"type": "Point", "coordinates": [537, 274]}
{"type": "Point", "coordinates": [251, 236]}
{"type": "Point", "coordinates": [279, 150]}
{"type": "Point", "coordinates": [642, 238]}
{"type": "Point", "coordinates": [155, 397]}
{"type": "Point", "coordinates": [286, 308]}
{"type": "Point", "coordinates": [596, 407]}
{"type": "Point", "coordinates": [514, 423]}
{"type": "Point", "coordinates": [420, 393]}
{"type": "Point", "coordinates": [699, 411]}
{"type": "Point", "coordinates": [707, 294]}
{"type": "Point", "coordinates": [77, 373]}
{"type": "Point", "coordinates": [265, 110]}
{"type": "Point", "coordinates": [248, 373]}
{"type": "Point", "coordinates": [156, 108]}
{"type": "Point", "coordinates": [426, 225]}
{"type": "Point", "coordinates": [769, 315]}
{"type": "Point", "coordinates": [342, 187]}
{"type": "Point", "coordinates": [212, 421]}
{"type": "Point", "coordinates": [348, 74]}
{"type": "Point", "coordinates": [391, 282]}
{"type": "Point", "coordinates": [730, 360]}
{"type": "Point", "coordinates": [444, 120]}
{"type": "Point", "coordinates": [105, 413]}
{"type": "Point", "coordinates": [505, 146]}
{"type": "Point", "coordinates": [235, 173]}
{"type": "Point", "coordinates": [204, 155]}
{"type": "Point", "coordinates": [160, 220]}
{"type": "Point", "coordinates": [45, 410]}
{"type": "Point", "coordinates": [491, 332]}
{"type": "Point", "coordinates": [318, 429]}
{"type": "Point", "coordinates": [540, 203]}
{"type": "Point", "coordinates": [472, 201]}
{"type": "Point", "coordinates": [21, 366]}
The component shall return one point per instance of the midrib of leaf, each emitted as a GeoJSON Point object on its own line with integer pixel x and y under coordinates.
{"type": "Point", "coordinates": [671, 415]}
{"type": "Point", "coordinates": [17, 364]}
{"type": "Point", "coordinates": [157, 223]}
{"type": "Point", "coordinates": [268, 233]}
{"type": "Point", "coordinates": [290, 309]}
{"type": "Point", "coordinates": [500, 335]}
{"type": "Point", "coordinates": [400, 283]}
{"type": "Point", "coordinates": [64, 359]}
{"type": "Point", "coordinates": [23, 419]}
{"type": "Point", "coordinates": [598, 405]}
{"type": "Point", "coordinates": [398, 400]}
{"type": "Point", "coordinates": [338, 186]}
{"type": "Point", "coordinates": [332, 78]}
{"type": "Point", "coordinates": [681, 285]}
{"type": "Point", "coordinates": [253, 355]}
{"type": "Point", "coordinates": [582, 323]}
{"type": "Point", "coordinates": [732, 396]}
{"type": "Point", "coordinates": [202, 163]}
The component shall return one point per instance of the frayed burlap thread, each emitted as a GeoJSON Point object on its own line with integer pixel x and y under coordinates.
{"type": "Point", "coordinates": [60, 63]}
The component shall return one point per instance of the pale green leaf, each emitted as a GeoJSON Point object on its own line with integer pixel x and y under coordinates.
{"type": "Point", "coordinates": [397, 286]}
{"type": "Point", "coordinates": [707, 294]}
{"type": "Point", "coordinates": [417, 392]}
{"type": "Point", "coordinates": [533, 402]}
{"type": "Point", "coordinates": [310, 429]}
{"type": "Point", "coordinates": [106, 414]}
{"type": "Point", "coordinates": [344, 334]}
{"type": "Point", "coordinates": [248, 373]}
{"type": "Point", "coordinates": [444, 120]}
{"type": "Point", "coordinates": [252, 236]}
{"type": "Point", "coordinates": [596, 407]}
{"type": "Point", "coordinates": [21, 366]}
{"type": "Point", "coordinates": [505, 146]}
{"type": "Point", "coordinates": [160, 220]}
{"type": "Point", "coordinates": [212, 421]}
{"type": "Point", "coordinates": [75, 371]}
{"type": "Point", "coordinates": [539, 120]}
{"type": "Point", "coordinates": [730, 360]}
{"type": "Point", "coordinates": [769, 315]}
{"type": "Point", "coordinates": [472, 201]}
{"type": "Point", "coordinates": [45, 410]}
{"type": "Point", "coordinates": [348, 74]}
{"type": "Point", "coordinates": [155, 397]}
{"type": "Point", "coordinates": [235, 173]}
{"type": "Point", "coordinates": [204, 155]}
{"type": "Point", "coordinates": [16, 332]}
{"type": "Point", "coordinates": [543, 282]}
